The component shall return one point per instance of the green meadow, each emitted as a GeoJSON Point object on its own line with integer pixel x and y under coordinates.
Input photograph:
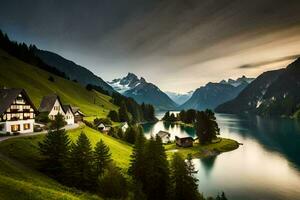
{"type": "Point", "coordinates": [17, 74]}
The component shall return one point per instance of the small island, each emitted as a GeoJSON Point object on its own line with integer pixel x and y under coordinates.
{"type": "Point", "coordinates": [207, 142]}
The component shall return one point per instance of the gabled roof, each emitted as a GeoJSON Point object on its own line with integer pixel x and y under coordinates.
{"type": "Point", "coordinates": [7, 96]}
{"type": "Point", "coordinates": [68, 107]}
{"type": "Point", "coordinates": [48, 103]}
{"type": "Point", "coordinates": [163, 134]}
{"type": "Point", "coordinates": [77, 110]}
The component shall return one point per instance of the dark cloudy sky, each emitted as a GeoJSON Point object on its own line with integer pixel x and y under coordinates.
{"type": "Point", "coordinates": [177, 44]}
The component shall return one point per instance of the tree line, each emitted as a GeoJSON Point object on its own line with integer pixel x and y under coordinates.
{"type": "Point", "coordinates": [204, 122]}
{"type": "Point", "coordinates": [129, 110]}
{"type": "Point", "coordinates": [27, 54]}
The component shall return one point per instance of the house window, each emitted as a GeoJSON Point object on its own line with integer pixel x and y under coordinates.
{"type": "Point", "coordinates": [27, 116]}
{"type": "Point", "coordinates": [15, 128]}
{"type": "Point", "coordinates": [15, 116]}
{"type": "Point", "coordinates": [26, 126]}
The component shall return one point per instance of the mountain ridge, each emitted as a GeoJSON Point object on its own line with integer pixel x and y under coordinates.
{"type": "Point", "coordinates": [142, 91]}
{"type": "Point", "coordinates": [74, 71]}
{"type": "Point", "coordinates": [273, 93]}
{"type": "Point", "coordinates": [213, 94]}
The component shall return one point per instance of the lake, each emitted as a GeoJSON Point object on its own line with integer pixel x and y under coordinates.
{"type": "Point", "coordinates": [266, 166]}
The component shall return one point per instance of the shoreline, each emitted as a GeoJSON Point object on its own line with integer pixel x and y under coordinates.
{"type": "Point", "coordinates": [204, 151]}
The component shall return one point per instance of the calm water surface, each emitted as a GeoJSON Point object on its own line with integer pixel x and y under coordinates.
{"type": "Point", "coordinates": [266, 167]}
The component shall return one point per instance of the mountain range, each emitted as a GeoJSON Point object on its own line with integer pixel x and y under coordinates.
{"type": "Point", "coordinates": [72, 70]}
{"type": "Point", "coordinates": [180, 98]}
{"type": "Point", "coordinates": [213, 94]}
{"type": "Point", "coordinates": [142, 91]}
{"type": "Point", "coordinates": [272, 93]}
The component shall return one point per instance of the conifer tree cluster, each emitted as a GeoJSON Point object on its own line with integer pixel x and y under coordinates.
{"type": "Point", "coordinates": [204, 122]}
{"type": "Point", "coordinates": [79, 165]}
{"type": "Point", "coordinates": [155, 179]}
{"type": "Point", "coordinates": [130, 111]}
{"type": "Point", "coordinates": [26, 54]}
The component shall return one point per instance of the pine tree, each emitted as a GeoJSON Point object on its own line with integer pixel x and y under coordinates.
{"type": "Point", "coordinates": [184, 185]}
{"type": "Point", "coordinates": [130, 134]}
{"type": "Point", "coordinates": [156, 184]}
{"type": "Point", "coordinates": [55, 149]}
{"type": "Point", "coordinates": [190, 165]}
{"type": "Point", "coordinates": [136, 168]}
{"type": "Point", "coordinates": [101, 158]}
{"type": "Point", "coordinates": [123, 113]}
{"type": "Point", "coordinates": [113, 184]}
{"type": "Point", "coordinates": [206, 126]}
{"type": "Point", "coordinates": [80, 163]}
{"type": "Point", "coordinates": [58, 122]}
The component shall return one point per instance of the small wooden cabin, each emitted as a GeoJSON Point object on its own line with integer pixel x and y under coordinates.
{"type": "Point", "coordinates": [78, 114]}
{"type": "Point", "coordinates": [184, 141]}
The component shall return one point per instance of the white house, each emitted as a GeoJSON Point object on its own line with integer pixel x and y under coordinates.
{"type": "Point", "coordinates": [69, 115]}
{"type": "Point", "coordinates": [124, 126]}
{"type": "Point", "coordinates": [17, 112]}
{"type": "Point", "coordinates": [52, 105]}
{"type": "Point", "coordinates": [103, 127]}
{"type": "Point", "coordinates": [165, 136]}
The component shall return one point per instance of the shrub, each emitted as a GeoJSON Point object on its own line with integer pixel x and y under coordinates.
{"type": "Point", "coordinates": [43, 118]}
{"type": "Point", "coordinates": [7, 134]}
{"type": "Point", "coordinates": [16, 133]}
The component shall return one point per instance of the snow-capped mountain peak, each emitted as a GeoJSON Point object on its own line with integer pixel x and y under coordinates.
{"type": "Point", "coordinates": [238, 81]}
{"type": "Point", "coordinates": [126, 83]}
{"type": "Point", "coordinates": [142, 91]}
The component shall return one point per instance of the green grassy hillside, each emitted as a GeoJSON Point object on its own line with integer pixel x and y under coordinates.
{"type": "Point", "coordinates": [25, 149]}
{"type": "Point", "coordinates": [15, 73]}
{"type": "Point", "coordinates": [20, 182]}
{"type": "Point", "coordinates": [20, 159]}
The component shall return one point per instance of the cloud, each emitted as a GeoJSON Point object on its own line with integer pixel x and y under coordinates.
{"type": "Point", "coordinates": [264, 63]}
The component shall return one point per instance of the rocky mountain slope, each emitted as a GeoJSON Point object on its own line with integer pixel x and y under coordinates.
{"type": "Point", "coordinates": [272, 93]}
{"type": "Point", "coordinates": [213, 94]}
{"type": "Point", "coordinates": [142, 91]}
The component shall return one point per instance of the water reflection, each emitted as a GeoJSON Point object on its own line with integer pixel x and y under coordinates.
{"type": "Point", "coordinates": [207, 164]}
{"type": "Point", "coordinates": [267, 166]}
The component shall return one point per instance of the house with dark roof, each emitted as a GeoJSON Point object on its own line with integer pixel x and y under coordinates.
{"type": "Point", "coordinates": [52, 105]}
{"type": "Point", "coordinates": [78, 115]}
{"type": "Point", "coordinates": [69, 115]}
{"type": "Point", "coordinates": [17, 112]}
{"type": "Point", "coordinates": [103, 127]}
{"type": "Point", "coordinates": [184, 141]}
